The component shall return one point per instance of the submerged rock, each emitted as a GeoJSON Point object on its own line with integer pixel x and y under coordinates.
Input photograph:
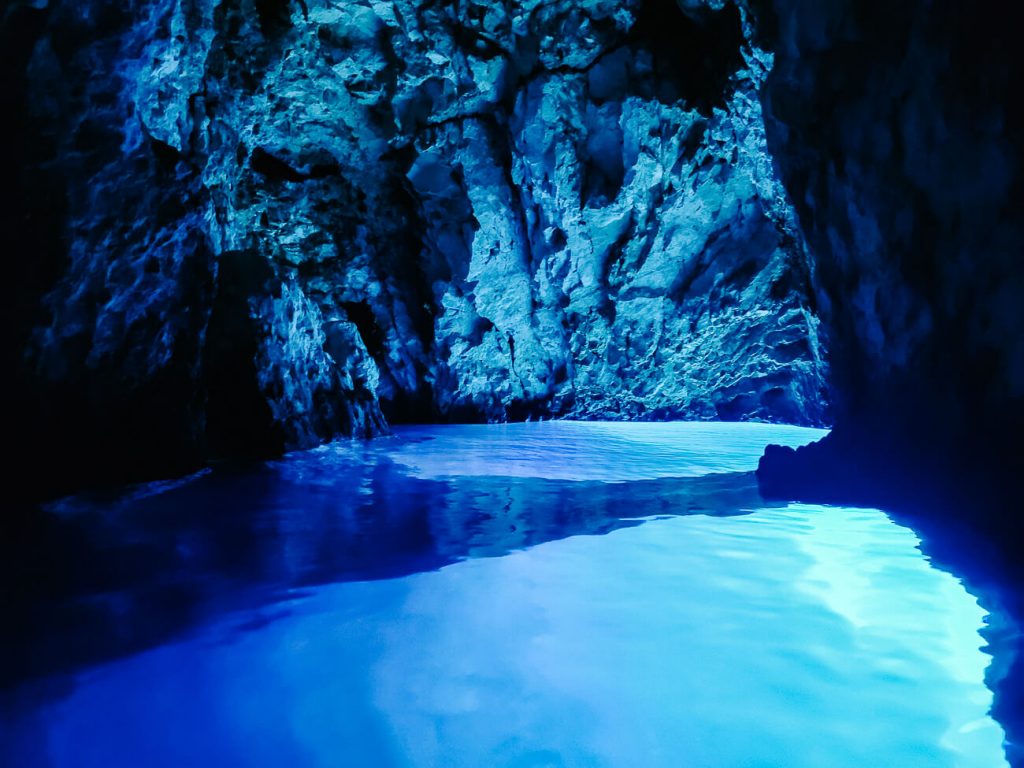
{"type": "Point", "coordinates": [290, 220]}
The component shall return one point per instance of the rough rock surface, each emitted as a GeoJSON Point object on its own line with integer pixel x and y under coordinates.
{"type": "Point", "coordinates": [280, 221]}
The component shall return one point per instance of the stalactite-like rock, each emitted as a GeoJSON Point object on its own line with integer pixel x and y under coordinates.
{"type": "Point", "coordinates": [290, 220]}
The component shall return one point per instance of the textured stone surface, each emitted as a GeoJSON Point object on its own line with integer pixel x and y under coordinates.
{"type": "Point", "coordinates": [288, 220]}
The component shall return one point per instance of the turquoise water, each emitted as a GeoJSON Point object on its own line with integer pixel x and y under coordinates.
{"type": "Point", "coordinates": [567, 595]}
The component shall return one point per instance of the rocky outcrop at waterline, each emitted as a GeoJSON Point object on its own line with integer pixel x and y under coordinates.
{"type": "Point", "coordinates": [245, 225]}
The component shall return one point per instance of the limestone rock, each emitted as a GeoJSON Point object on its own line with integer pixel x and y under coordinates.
{"type": "Point", "coordinates": [410, 211]}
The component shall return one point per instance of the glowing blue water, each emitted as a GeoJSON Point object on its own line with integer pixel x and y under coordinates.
{"type": "Point", "coordinates": [603, 451]}
{"type": "Point", "coordinates": [606, 631]}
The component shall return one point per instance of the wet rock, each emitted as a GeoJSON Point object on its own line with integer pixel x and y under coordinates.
{"type": "Point", "coordinates": [472, 212]}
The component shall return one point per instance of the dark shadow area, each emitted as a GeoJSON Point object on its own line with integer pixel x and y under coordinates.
{"type": "Point", "coordinates": [114, 422]}
{"type": "Point", "coordinates": [361, 315]}
{"type": "Point", "coordinates": [694, 56]}
{"type": "Point", "coordinates": [238, 419]}
{"type": "Point", "coordinates": [274, 168]}
{"type": "Point", "coordinates": [274, 16]}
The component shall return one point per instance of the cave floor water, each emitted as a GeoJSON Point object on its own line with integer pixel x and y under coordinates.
{"type": "Point", "coordinates": [554, 594]}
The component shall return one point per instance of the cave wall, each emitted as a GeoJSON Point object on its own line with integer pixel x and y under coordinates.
{"type": "Point", "coordinates": [898, 132]}
{"type": "Point", "coordinates": [257, 224]}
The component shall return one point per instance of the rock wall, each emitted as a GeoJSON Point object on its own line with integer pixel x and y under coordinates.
{"type": "Point", "coordinates": [899, 134]}
{"type": "Point", "coordinates": [271, 222]}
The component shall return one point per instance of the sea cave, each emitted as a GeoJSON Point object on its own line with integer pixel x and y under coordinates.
{"type": "Point", "coordinates": [415, 383]}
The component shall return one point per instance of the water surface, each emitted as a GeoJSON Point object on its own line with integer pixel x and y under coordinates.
{"type": "Point", "coordinates": [554, 594]}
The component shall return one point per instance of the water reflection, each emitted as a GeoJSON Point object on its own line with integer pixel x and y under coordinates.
{"type": "Point", "coordinates": [100, 577]}
{"type": "Point", "coordinates": [391, 605]}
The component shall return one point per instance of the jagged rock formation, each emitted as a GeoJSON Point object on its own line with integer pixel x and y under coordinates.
{"type": "Point", "coordinates": [279, 221]}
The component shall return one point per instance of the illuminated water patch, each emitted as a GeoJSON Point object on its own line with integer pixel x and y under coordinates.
{"type": "Point", "coordinates": [792, 636]}
{"type": "Point", "coordinates": [603, 451]}
{"type": "Point", "coordinates": [802, 636]}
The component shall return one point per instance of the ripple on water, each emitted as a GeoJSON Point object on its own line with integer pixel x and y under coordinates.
{"type": "Point", "coordinates": [794, 635]}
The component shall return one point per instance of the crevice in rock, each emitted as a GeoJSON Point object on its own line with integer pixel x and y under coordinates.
{"type": "Point", "coordinates": [361, 315]}
{"type": "Point", "coordinates": [165, 154]}
{"type": "Point", "coordinates": [239, 421]}
{"type": "Point", "coordinates": [601, 165]}
{"type": "Point", "coordinates": [481, 327]}
{"type": "Point", "coordinates": [275, 15]}
{"type": "Point", "coordinates": [273, 167]}
{"type": "Point", "coordinates": [694, 58]}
